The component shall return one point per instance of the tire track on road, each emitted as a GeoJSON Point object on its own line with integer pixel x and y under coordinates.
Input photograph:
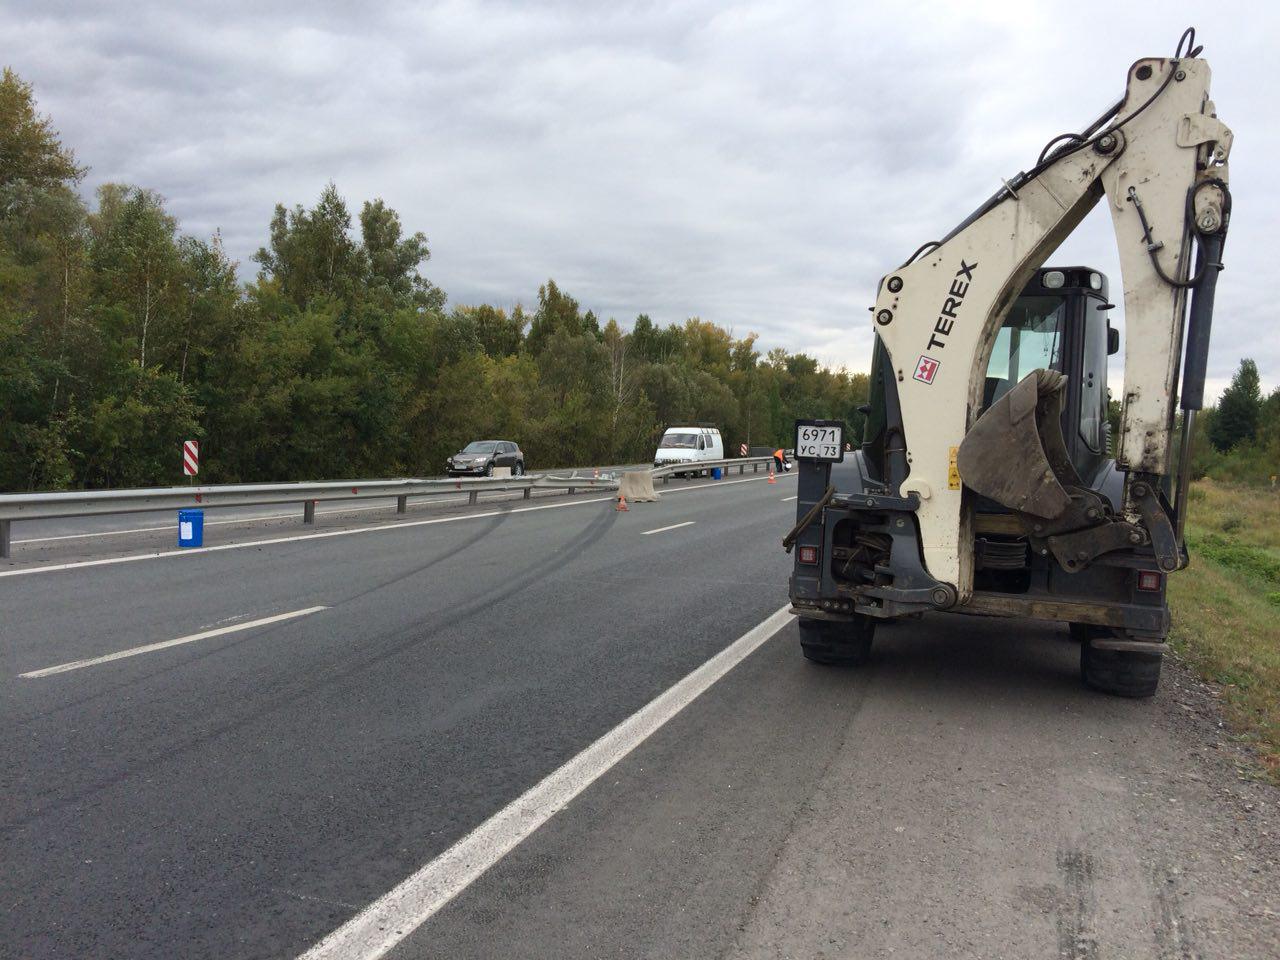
{"type": "Point", "coordinates": [291, 689]}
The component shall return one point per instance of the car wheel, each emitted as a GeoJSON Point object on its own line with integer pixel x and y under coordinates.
{"type": "Point", "coordinates": [1121, 673]}
{"type": "Point", "coordinates": [518, 469]}
{"type": "Point", "coordinates": [488, 469]}
{"type": "Point", "coordinates": [833, 644]}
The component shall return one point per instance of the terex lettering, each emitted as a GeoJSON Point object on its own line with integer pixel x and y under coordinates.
{"type": "Point", "coordinates": [947, 316]}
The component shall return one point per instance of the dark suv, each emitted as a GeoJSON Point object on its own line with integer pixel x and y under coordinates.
{"type": "Point", "coordinates": [478, 458]}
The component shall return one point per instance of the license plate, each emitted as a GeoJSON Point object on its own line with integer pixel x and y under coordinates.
{"type": "Point", "coordinates": [820, 440]}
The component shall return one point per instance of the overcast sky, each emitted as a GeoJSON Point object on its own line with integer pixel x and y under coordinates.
{"type": "Point", "coordinates": [760, 165]}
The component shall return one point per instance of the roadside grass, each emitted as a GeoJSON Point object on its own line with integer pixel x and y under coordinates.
{"type": "Point", "coordinates": [1226, 606]}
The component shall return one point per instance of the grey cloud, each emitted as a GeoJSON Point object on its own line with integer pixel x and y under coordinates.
{"type": "Point", "coordinates": [759, 165]}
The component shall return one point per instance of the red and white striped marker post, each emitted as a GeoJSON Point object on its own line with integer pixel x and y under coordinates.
{"type": "Point", "coordinates": [742, 449]}
{"type": "Point", "coordinates": [190, 457]}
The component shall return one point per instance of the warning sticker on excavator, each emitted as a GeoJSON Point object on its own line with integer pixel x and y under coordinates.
{"type": "Point", "coordinates": [927, 369]}
{"type": "Point", "coordinates": [953, 475]}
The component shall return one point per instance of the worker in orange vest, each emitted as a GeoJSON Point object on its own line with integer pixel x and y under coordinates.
{"type": "Point", "coordinates": [780, 458]}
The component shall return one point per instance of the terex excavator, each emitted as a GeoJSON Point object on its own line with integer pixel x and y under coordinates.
{"type": "Point", "coordinates": [984, 483]}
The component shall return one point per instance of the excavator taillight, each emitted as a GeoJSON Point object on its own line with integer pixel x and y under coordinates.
{"type": "Point", "coordinates": [807, 554]}
{"type": "Point", "coordinates": [1150, 581]}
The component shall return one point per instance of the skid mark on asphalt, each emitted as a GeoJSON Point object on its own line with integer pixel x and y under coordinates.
{"type": "Point", "coordinates": [290, 689]}
{"type": "Point", "coordinates": [1077, 905]}
{"type": "Point", "coordinates": [1174, 935]}
{"type": "Point", "coordinates": [448, 553]}
{"type": "Point", "coordinates": [578, 545]}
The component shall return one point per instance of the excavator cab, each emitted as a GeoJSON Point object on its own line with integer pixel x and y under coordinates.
{"type": "Point", "coordinates": [1059, 323]}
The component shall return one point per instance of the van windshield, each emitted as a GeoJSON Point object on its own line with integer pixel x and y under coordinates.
{"type": "Point", "coordinates": [687, 440]}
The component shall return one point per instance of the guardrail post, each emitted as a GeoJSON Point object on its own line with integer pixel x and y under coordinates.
{"type": "Point", "coordinates": [472, 497]}
{"type": "Point", "coordinates": [755, 468]}
{"type": "Point", "coordinates": [527, 492]}
{"type": "Point", "coordinates": [402, 504]}
{"type": "Point", "coordinates": [5, 527]}
{"type": "Point", "coordinates": [572, 491]}
{"type": "Point", "coordinates": [309, 511]}
{"type": "Point", "coordinates": [742, 468]}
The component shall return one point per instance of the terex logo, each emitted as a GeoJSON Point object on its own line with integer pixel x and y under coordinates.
{"type": "Point", "coordinates": [947, 316]}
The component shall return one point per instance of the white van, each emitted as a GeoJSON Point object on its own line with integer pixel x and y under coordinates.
{"type": "Point", "coordinates": [689, 444]}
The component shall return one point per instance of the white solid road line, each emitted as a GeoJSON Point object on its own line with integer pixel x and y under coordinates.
{"type": "Point", "coordinates": [785, 499]}
{"type": "Point", "coordinates": [380, 528]}
{"type": "Point", "coordinates": [377, 928]}
{"type": "Point", "coordinates": [150, 647]}
{"type": "Point", "coordinates": [674, 526]}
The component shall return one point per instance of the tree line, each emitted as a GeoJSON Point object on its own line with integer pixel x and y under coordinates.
{"type": "Point", "coordinates": [1238, 439]}
{"type": "Point", "coordinates": [120, 337]}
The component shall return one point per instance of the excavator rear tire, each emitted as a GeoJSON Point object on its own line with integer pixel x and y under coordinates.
{"type": "Point", "coordinates": [845, 644]}
{"type": "Point", "coordinates": [1120, 673]}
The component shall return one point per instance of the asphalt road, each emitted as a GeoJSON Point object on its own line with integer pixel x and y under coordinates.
{"type": "Point", "coordinates": [247, 792]}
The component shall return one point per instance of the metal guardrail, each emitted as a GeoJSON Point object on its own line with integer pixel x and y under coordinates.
{"type": "Point", "coordinates": [667, 471]}
{"type": "Point", "coordinates": [88, 503]}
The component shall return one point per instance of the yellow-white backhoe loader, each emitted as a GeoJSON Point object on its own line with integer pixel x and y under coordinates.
{"type": "Point", "coordinates": [985, 482]}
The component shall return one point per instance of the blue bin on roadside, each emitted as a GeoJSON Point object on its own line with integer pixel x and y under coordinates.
{"type": "Point", "coordinates": [190, 528]}
{"type": "Point", "coordinates": [716, 473]}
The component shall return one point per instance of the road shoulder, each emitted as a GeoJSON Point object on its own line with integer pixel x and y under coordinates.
{"type": "Point", "coordinates": [1115, 829]}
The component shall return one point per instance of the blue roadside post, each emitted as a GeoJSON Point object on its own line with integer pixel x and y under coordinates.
{"type": "Point", "coordinates": [190, 528]}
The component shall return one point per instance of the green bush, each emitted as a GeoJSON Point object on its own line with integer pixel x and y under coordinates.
{"type": "Point", "coordinates": [1237, 556]}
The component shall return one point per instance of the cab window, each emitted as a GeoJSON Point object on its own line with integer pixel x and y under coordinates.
{"type": "Point", "coordinates": [1093, 379]}
{"type": "Point", "coordinates": [1030, 339]}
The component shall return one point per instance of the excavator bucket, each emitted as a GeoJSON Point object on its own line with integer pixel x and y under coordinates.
{"type": "Point", "coordinates": [1015, 453]}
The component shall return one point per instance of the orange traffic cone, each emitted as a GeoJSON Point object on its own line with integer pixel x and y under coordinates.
{"type": "Point", "coordinates": [772, 478]}
{"type": "Point", "coordinates": [622, 505]}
